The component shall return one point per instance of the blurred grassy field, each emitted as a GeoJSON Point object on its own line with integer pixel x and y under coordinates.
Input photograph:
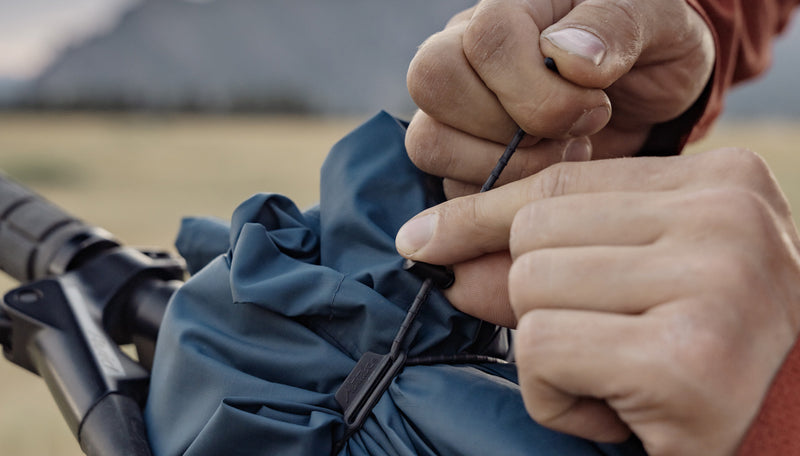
{"type": "Point", "coordinates": [137, 175]}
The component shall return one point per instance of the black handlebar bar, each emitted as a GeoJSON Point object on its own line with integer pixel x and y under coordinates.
{"type": "Point", "coordinates": [83, 295]}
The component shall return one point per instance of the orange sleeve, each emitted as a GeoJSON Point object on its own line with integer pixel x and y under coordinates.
{"type": "Point", "coordinates": [776, 429]}
{"type": "Point", "coordinates": [743, 32]}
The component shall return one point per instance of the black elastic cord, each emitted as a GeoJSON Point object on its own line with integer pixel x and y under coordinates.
{"type": "Point", "coordinates": [466, 358]}
{"type": "Point", "coordinates": [461, 358]}
{"type": "Point", "coordinates": [501, 164]}
{"type": "Point", "coordinates": [411, 315]}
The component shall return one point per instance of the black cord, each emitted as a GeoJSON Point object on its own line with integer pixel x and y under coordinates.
{"type": "Point", "coordinates": [503, 161]}
{"type": "Point", "coordinates": [411, 315]}
{"type": "Point", "coordinates": [461, 358]}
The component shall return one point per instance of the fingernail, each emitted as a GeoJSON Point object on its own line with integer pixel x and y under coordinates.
{"type": "Point", "coordinates": [579, 42]}
{"type": "Point", "coordinates": [578, 150]}
{"type": "Point", "coordinates": [415, 234]}
{"type": "Point", "coordinates": [590, 122]}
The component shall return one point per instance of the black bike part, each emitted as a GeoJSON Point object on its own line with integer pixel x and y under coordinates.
{"type": "Point", "coordinates": [87, 295]}
{"type": "Point", "coordinates": [57, 337]}
{"type": "Point", "coordinates": [114, 427]}
{"type": "Point", "coordinates": [39, 239]}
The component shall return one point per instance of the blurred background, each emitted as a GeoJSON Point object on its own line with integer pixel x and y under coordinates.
{"type": "Point", "coordinates": [132, 113]}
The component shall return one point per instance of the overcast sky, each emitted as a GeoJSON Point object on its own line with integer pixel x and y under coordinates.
{"type": "Point", "coordinates": [33, 31]}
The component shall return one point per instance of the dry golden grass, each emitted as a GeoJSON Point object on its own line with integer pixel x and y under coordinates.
{"type": "Point", "coordinates": [136, 176]}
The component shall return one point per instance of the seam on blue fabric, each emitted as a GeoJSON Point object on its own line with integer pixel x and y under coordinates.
{"type": "Point", "coordinates": [332, 340]}
{"type": "Point", "coordinates": [319, 329]}
{"type": "Point", "coordinates": [331, 313]}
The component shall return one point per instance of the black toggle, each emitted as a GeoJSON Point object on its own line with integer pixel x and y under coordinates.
{"type": "Point", "coordinates": [442, 276]}
{"type": "Point", "coordinates": [366, 384]}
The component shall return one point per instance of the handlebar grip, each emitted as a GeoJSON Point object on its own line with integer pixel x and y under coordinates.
{"type": "Point", "coordinates": [38, 239]}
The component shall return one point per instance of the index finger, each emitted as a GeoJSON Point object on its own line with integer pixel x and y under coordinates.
{"type": "Point", "coordinates": [471, 226]}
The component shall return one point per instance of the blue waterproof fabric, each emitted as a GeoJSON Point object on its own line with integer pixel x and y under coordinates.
{"type": "Point", "coordinates": [254, 346]}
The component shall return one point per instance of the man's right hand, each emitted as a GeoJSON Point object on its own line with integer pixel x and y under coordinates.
{"type": "Point", "coordinates": [624, 67]}
{"type": "Point", "coordinates": [658, 295]}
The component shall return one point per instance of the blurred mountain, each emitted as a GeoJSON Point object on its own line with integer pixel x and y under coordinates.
{"type": "Point", "coordinates": [347, 56]}
{"type": "Point", "coordinates": [11, 90]}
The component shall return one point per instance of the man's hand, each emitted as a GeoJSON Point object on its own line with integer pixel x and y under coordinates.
{"type": "Point", "coordinates": [625, 66]}
{"type": "Point", "coordinates": [658, 295]}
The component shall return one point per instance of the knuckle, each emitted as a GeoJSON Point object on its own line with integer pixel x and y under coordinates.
{"type": "Point", "coordinates": [518, 276]}
{"type": "Point", "coordinates": [484, 39]}
{"type": "Point", "coordinates": [695, 344]}
{"type": "Point", "coordinates": [751, 171]}
{"type": "Point", "coordinates": [529, 229]}
{"type": "Point", "coordinates": [742, 168]}
{"type": "Point", "coordinates": [529, 274]}
{"type": "Point", "coordinates": [729, 270]}
{"type": "Point", "coordinates": [532, 340]}
{"type": "Point", "coordinates": [520, 230]}
{"type": "Point", "coordinates": [555, 180]}
{"type": "Point", "coordinates": [424, 145]}
{"type": "Point", "coordinates": [531, 347]}
{"type": "Point", "coordinates": [480, 217]}
{"type": "Point", "coordinates": [526, 163]}
{"type": "Point", "coordinates": [628, 22]}
{"type": "Point", "coordinates": [431, 73]}
{"type": "Point", "coordinates": [750, 207]}
{"type": "Point", "coordinates": [481, 228]}
{"type": "Point", "coordinates": [550, 114]}
{"type": "Point", "coordinates": [734, 209]}
{"type": "Point", "coordinates": [746, 161]}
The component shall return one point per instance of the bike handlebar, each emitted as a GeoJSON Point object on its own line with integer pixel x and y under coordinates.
{"type": "Point", "coordinates": [38, 239]}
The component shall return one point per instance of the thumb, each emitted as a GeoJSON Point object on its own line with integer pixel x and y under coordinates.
{"type": "Point", "coordinates": [599, 41]}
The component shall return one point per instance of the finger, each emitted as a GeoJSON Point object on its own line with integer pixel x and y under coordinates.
{"type": "Point", "coordinates": [481, 289]}
{"type": "Point", "coordinates": [457, 189]}
{"type": "Point", "coordinates": [592, 219]}
{"type": "Point", "coordinates": [627, 280]}
{"type": "Point", "coordinates": [599, 41]}
{"type": "Point", "coordinates": [443, 85]}
{"type": "Point", "coordinates": [471, 226]}
{"type": "Point", "coordinates": [439, 234]}
{"type": "Point", "coordinates": [500, 43]}
{"type": "Point", "coordinates": [567, 357]}
{"type": "Point", "coordinates": [444, 151]}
